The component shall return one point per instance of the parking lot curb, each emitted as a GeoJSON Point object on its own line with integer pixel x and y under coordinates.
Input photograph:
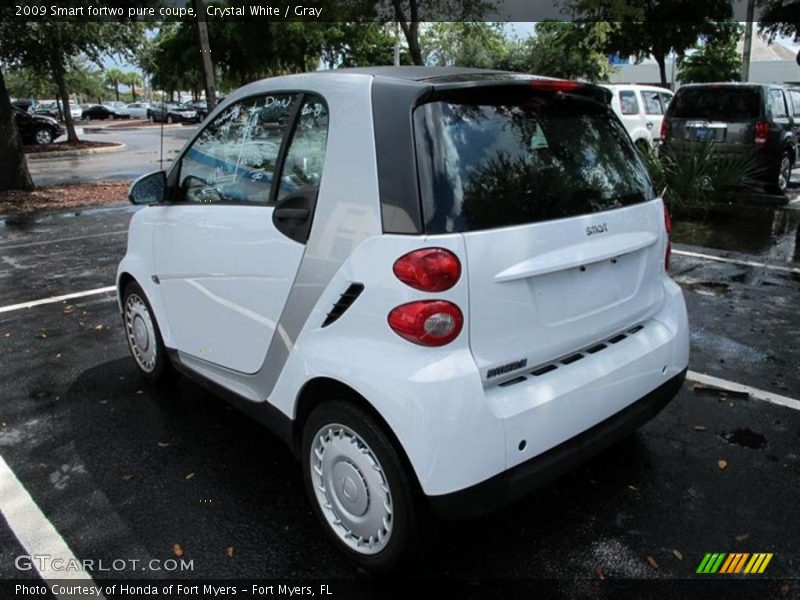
{"type": "Point", "coordinates": [66, 153]}
{"type": "Point", "coordinates": [107, 128]}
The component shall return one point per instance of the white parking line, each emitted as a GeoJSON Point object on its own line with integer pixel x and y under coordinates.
{"type": "Point", "coordinates": [59, 240]}
{"type": "Point", "coordinates": [733, 261]}
{"type": "Point", "coordinates": [738, 387]}
{"type": "Point", "coordinates": [35, 533]}
{"type": "Point", "coordinates": [54, 299]}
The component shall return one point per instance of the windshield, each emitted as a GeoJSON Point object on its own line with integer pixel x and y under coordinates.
{"type": "Point", "coordinates": [718, 103]}
{"type": "Point", "coordinates": [486, 164]}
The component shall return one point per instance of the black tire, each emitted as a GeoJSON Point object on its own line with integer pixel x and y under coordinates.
{"type": "Point", "coordinates": [170, 119]}
{"type": "Point", "coordinates": [407, 509]}
{"type": "Point", "coordinates": [161, 370]}
{"type": "Point", "coordinates": [642, 146]}
{"type": "Point", "coordinates": [779, 177]}
{"type": "Point", "coordinates": [43, 136]}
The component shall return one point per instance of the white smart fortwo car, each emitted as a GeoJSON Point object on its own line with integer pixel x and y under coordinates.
{"type": "Point", "coordinates": [440, 287]}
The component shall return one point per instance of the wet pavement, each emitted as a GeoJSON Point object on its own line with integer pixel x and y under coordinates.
{"type": "Point", "coordinates": [143, 155]}
{"type": "Point", "coordinates": [126, 471]}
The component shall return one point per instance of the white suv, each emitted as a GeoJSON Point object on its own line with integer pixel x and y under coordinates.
{"type": "Point", "coordinates": [641, 109]}
{"type": "Point", "coordinates": [441, 287]}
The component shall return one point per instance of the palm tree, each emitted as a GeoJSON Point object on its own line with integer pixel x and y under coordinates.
{"type": "Point", "coordinates": [113, 78]}
{"type": "Point", "coordinates": [132, 79]}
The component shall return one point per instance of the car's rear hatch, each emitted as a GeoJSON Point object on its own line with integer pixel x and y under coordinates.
{"type": "Point", "coordinates": [563, 234]}
{"type": "Point", "coordinates": [724, 113]}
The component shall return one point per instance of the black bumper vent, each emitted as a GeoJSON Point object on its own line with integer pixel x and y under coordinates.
{"type": "Point", "coordinates": [344, 302]}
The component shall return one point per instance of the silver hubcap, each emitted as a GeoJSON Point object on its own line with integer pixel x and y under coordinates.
{"type": "Point", "coordinates": [43, 137]}
{"type": "Point", "coordinates": [141, 333]}
{"type": "Point", "coordinates": [784, 173]}
{"type": "Point", "coordinates": [351, 489]}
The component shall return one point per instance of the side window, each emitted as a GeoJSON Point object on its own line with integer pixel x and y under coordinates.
{"type": "Point", "coordinates": [234, 158]}
{"type": "Point", "coordinates": [795, 96]}
{"type": "Point", "coordinates": [306, 155]}
{"type": "Point", "coordinates": [628, 103]}
{"type": "Point", "coordinates": [777, 104]}
{"type": "Point", "coordinates": [665, 100]}
{"type": "Point", "coordinates": [652, 103]}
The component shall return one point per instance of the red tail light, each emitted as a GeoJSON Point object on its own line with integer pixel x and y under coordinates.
{"type": "Point", "coordinates": [668, 227]}
{"type": "Point", "coordinates": [664, 129]}
{"type": "Point", "coordinates": [555, 85]}
{"type": "Point", "coordinates": [762, 129]}
{"type": "Point", "coordinates": [427, 322]}
{"type": "Point", "coordinates": [429, 270]}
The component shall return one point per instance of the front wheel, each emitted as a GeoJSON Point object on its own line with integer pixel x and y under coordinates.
{"type": "Point", "coordinates": [43, 136]}
{"type": "Point", "coordinates": [359, 487]}
{"type": "Point", "coordinates": [169, 119]}
{"type": "Point", "coordinates": [144, 336]}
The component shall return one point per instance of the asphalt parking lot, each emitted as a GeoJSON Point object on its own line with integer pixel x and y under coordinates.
{"type": "Point", "coordinates": [122, 470]}
{"type": "Point", "coordinates": [143, 155]}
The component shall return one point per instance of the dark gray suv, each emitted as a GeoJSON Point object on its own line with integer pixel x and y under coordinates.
{"type": "Point", "coordinates": [740, 117]}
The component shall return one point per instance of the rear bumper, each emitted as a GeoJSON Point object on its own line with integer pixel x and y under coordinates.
{"type": "Point", "coordinates": [515, 483]}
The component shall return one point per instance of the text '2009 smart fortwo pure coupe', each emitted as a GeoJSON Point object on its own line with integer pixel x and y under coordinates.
{"type": "Point", "coordinates": [440, 287]}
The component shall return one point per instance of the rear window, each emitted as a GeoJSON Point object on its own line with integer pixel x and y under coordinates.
{"type": "Point", "coordinates": [485, 164]}
{"type": "Point", "coordinates": [717, 103]}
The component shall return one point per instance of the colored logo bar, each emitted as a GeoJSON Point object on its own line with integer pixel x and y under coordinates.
{"type": "Point", "coordinates": [737, 562]}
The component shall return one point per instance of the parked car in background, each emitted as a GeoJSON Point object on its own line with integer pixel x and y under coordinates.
{"type": "Point", "coordinates": [501, 311]}
{"type": "Point", "coordinates": [76, 111]}
{"type": "Point", "coordinates": [172, 112]}
{"type": "Point", "coordinates": [200, 107]}
{"type": "Point", "coordinates": [641, 109]}
{"type": "Point", "coordinates": [48, 109]}
{"type": "Point", "coordinates": [739, 118]}
{"type": "Point", "coordinates": [36, 129]}
{"type": "Point", "coordinates": [99, 112]}
{"type": "Point", "coordinates": [23, 105]}
{"type": "Point", "coordinates": [119, 108]}
{"type": "Point", "coordinates": [51, 109]}
{"type": "Point", "coordinates": [138, 110]}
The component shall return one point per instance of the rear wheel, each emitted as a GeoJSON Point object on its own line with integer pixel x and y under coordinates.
{"type": "Point", "coordinates": [169, 119]}
{"type": "Point", "coordinates": [144, 336]}
{"type": "Point", "coordinates": [781, 174]}
{"type": "Point", "coordinates": [642, 146]}
{"type": "Point", "coordinates": [358, 486]}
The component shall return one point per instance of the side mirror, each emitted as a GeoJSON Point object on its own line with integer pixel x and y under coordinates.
{"type": "Point", "coordinates": [149, 189]}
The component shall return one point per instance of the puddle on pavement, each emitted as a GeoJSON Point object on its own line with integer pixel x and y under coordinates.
{"type": "Point", "coordinates": [770, 233]}
{"type": "Point", "coordinates": [745, 438]}
{"type": "Point", "coordinates": [25, 220]}
{"type": "Point", "coordinates": [707, 288]}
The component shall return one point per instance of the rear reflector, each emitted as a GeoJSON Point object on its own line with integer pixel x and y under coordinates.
{"type": "Point", "coordinates": [427, 322]}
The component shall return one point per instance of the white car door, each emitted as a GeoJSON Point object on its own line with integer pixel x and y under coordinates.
{"type": "Point", "coordinates": [228, 247]}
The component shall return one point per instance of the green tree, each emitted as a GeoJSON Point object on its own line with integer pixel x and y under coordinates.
{"type": "Point", "coordinates": [53, 45]}
{"type": "Point", "coordinates": [113, 78]}
{"type": "Point", "coordinates": [779, 18]}
{"type": "Point", "coordinates": [410, 13]}
{"type": "Point", "coordinates": [569, 49]}
{"type": "Point", "coordinates": [14, 175]}
{"type": "Point", "coordinates": [655, 27]}
{"type": "Point", "coordinates": [714, 60]}
{"type": "Point", "coordinates": [465, 44]}
{"type": "Point", "coordinates": [132, 79]}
